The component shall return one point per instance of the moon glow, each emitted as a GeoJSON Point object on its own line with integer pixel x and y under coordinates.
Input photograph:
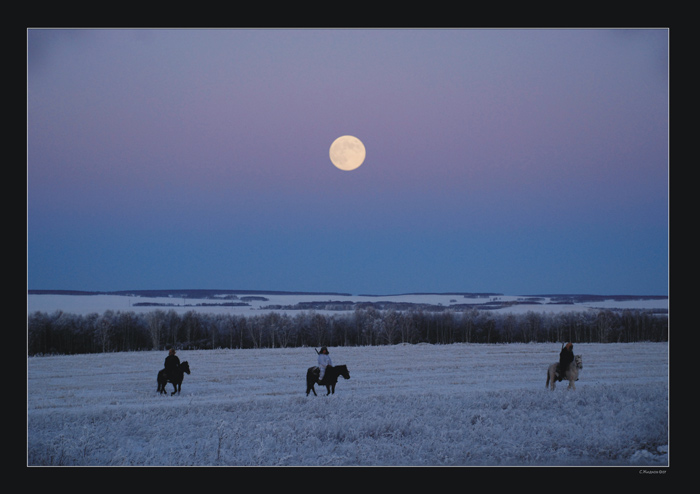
{"type": "Point", "coordinates": [347, 153]}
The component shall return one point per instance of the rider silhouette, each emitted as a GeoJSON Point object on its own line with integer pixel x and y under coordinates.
{"type": "Point", "coordinates": [172, 364]}
{"type": "Point", "coordinates": [324, 361]}
{"type": "Point", "coordinates": [566, 356]}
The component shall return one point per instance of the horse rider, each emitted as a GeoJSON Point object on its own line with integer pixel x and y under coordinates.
{"type": "Point", "coordinates": [566, 356]}
{"type": "Point", "coordinates": [324, 361]}
{"type": "Point", "coordinates": [172, 364]}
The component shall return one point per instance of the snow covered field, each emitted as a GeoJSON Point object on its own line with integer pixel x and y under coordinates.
{"type": "Point", "coordinates": [85, 304]}
{"type": "Point", "coordinates": [405, 405]}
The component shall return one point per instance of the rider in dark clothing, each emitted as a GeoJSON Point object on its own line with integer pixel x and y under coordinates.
{"type": "Point", "coordinates": [565, 358]}
{"type": "Point", "coordinates": [172, 364]}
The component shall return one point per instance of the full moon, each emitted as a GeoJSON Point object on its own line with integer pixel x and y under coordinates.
{"type": "Point", "coordinates": [347, 153]}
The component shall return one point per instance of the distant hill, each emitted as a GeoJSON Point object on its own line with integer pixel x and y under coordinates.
{"type": "Point", "coordinates": [581, 298]}
{"type": "Point", "coordinates": [186, 293]}
{"type": "Point", "coordinates": [209, 293]}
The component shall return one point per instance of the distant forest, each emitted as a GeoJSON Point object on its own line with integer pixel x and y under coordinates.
{"type": "Point", "coordinates": [117, 331]}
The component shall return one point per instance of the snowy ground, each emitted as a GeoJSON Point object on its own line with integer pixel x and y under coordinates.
{"type": "Point", "coordinates": [85, 304]}
{"type": "Point", "coordinates": [457, 405]}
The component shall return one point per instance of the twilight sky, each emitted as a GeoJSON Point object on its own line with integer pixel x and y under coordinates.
{"type": "Point", "coordinates": [510, 161]}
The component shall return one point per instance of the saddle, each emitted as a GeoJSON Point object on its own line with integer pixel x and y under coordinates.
{"type": "Point", "coordinates": [317, 373]}
{"type": "Point", "coordinates": [558, 373]}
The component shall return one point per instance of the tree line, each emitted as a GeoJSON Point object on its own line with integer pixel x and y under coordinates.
{"type": "Point", "coordinates": [66, 333]}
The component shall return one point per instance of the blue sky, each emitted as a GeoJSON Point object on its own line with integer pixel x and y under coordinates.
{"type": "Point", "coordinates": [511, 161]}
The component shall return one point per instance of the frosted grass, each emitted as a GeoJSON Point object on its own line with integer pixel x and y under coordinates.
{"type": "Point", "coordinates": [405, 405]}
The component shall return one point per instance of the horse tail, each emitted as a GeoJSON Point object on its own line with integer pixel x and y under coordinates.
{"type": "Point", "coordinates": [547, 383]}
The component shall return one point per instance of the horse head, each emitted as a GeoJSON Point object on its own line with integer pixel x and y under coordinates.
{"type": "Point", "coordinates": [185, 367]}
{"type": "Point", "coordinates": [343, 371]}
{"type": "Point", "coordinates": [579, 362]}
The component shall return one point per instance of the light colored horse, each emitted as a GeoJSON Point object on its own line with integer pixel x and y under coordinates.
{"type": "Point", "coordinates": [571, 373]}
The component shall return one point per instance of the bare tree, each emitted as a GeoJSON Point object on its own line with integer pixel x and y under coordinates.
{"type": "Point", "coordinates": [155, 325]}
{"type": "Point", "coordinates": [105, 329]}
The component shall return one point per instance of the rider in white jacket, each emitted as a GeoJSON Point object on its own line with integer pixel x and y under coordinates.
{"type": "Point", "coordinates": [323, 361]}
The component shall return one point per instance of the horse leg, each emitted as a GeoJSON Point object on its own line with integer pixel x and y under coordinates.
{"type": "Point", "coordinates": [161, 383]}
{"type": "Point", "coordinates": [310, 382]}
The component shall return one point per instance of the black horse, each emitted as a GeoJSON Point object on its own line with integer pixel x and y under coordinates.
{"type": "Point", "coordinates": [163, 378]}
{"type": "Point", "coordinates": [330, 378]}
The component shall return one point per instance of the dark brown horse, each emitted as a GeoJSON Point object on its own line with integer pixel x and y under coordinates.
{"type": "Point", "coordinates": [330, 378]}
{"type": "Point", "coordinates": [176, 379]}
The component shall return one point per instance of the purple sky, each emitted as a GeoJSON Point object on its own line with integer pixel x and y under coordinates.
{"type": "Point", "coordinates": [510, 161]}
